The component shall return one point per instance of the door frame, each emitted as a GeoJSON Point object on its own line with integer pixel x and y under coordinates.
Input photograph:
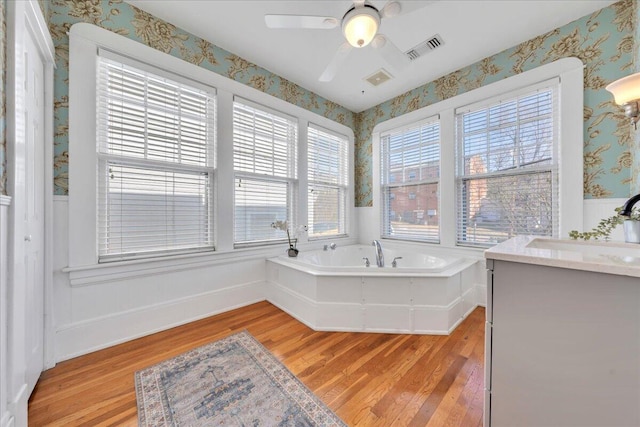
{"type": "Point", "coordinates": [22, 18]}
{"type": "Point", "coordinates": [40, 29]}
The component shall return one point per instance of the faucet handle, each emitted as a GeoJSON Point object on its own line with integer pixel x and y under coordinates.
{"type": "Point", "coordinates": [394, 263]}
{"type": "Point", "coordinates": [366, 261]}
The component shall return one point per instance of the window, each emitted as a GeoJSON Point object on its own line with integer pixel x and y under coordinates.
{"type": "Point", "coordinates": [155, 154]}
{"type": "Point", "coordinates": [410, 178]}
{"type": "Point", "coordinates": [507, 170]}
{"type": "Point", "coordinates": [328, 180]}
{"type": "Point", "coordinates": [265, 173]}
{"type": "Point", "coordinates": [507, 166]}
{"type": "Point", "coordinates": [157, 192]}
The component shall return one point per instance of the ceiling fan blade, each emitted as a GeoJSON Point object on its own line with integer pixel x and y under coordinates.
{"type": "Point", "coordinates": [358, 3]}
{"type": "Point", "coordinates": [332, 69]}
{"type": "Point", "coordinates": [301, 21]}
{"type": "Point", "coordinates": [391, 9]}
{"type": "Point", "coordinates": [390, 52]}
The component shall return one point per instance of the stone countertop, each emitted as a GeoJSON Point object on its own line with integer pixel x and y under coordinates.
{"type": "Point", "coordinates": [598, 256]}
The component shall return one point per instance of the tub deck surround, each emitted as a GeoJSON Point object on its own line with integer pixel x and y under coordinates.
{"type": "Point", "coordinates": [333, 291]}
{"type": "Point", "coordinates": [350, 261]}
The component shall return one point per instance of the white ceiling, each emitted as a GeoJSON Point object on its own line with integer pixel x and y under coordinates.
{"type": "Point", "coordinates": [471, 30]}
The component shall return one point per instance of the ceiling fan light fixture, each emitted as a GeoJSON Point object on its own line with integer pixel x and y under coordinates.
{"type": "Point", "coordinates": [360, 25]}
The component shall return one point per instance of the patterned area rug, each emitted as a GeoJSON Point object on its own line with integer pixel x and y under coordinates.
{"type": "Point", "coordinates": [231, 382]}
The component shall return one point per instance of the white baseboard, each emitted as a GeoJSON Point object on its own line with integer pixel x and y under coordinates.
{"type": "Point", "coordinates": [7, 420]}
{"type": "Point", "coordinates": [481, 294]}
{"type": "Point", "coordinates": [18, 409]}
{"type": "Point", "coordinates": [84, 337]}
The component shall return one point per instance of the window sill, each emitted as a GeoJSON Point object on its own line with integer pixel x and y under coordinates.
{"type": "Point", "coordinates": [470, 251]}
{"type": "Point", "coordinates": [86, 275]}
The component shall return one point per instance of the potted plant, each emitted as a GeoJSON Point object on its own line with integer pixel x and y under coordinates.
{"type": "Point", "coordinates": [606, 226]}
{"type": "Point", "coordinates": [282, 225]}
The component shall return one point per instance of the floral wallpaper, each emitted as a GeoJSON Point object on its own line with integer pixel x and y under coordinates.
{"type": "Point", "coordinates": [3, 115]}
{"type": "Point", "coordinates": [635, 171]}
{"type": "Point", "coordinates": [44, 8]}
{"type": "Point", "coordinates": [129, 21]}
{"type": "Point", "coordinates": [604, 41]}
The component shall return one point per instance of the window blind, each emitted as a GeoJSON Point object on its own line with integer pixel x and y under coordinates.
{"type": "Point", "coordinates": [328, 180]}
{"type": "Point", "coordinates": [155, 145]}
{"type": "Point", "coordinates": [265, 165]}
{"type": "Point", "coordinates": [410, 182]}
{"type": "Point", "coordinates": [507, 168]}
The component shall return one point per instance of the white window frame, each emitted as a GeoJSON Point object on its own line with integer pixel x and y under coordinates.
{"type": "Point", "coordinates": [553, 86]}
{"type": "Point", "coordinates": [105, 157]}
{"type": "Point", "coordinates": [290, 181]}
{"type": "Point", "coordinates": [342, 187]}
{"type": "Point", "coordinates": [571, 94]}
{"type": "Point", "coordinates": [410, 181]}
{"type": "Point", "coordinates": [83, 267]}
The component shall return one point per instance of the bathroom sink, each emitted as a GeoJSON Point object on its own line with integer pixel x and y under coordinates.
{"type": "Point", "coordinates": [612, 251]}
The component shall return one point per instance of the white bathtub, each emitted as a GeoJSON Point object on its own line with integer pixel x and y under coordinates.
{"type": "Point", "coordinates": [349, 261]}
{"type": "Point", "coordinates": [333, 290]}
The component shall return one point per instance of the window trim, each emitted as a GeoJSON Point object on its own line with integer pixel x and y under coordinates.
{"type": "Point", "coordinates": [571, 95]}
{"type": "Point", "coordinates": [553, 168]}
{"type": "Point", "coordinates": [344, 187]}
{"type": "Point", "coordinates": [104, 158]}
{"type": "Point", "coordinates": [411, 181]}
{"type": "Point", "coordinates": [291, 180]}
{"type": "Point", "coordinates": [85, 40]}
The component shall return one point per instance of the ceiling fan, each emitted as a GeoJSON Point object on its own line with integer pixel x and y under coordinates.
{"type": "Point", "coordinates": [360, 28]}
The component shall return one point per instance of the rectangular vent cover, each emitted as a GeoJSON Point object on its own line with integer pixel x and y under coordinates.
{"type": "Point", "coordinates": [425, 47]}
{"type": "Point", "coordinates": [379, 77]}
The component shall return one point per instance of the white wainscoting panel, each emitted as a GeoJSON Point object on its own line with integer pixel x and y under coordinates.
{"type": "Point", "coordinates": [83, 337]}
{"type": "Point", "coordinates": [597, 209]}
{"type": "Point", "coordinates": [594, 210]}
{"type": "Point", "coordinates": [99, 314]}
{"type": "Point", "coordinates": [5, 416]}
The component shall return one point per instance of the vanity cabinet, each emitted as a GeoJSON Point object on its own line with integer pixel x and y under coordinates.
{"type": "Point", "coordinates": [562, 346]}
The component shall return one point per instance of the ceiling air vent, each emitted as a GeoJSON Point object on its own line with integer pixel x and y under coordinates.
{"type": "Point", "coordinates": [425, 47]}
{"type": "Point", "coordinates": [379, 77]}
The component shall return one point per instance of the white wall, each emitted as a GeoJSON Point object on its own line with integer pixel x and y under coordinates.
{"type": "Point", "coordinates": [593, 210]}
{"type": "Point", "coordinates": [4, 211]}
{"type": "Point", "coordinates": [98, 305]}
{"type": "Point", "coordinates": [99, 311]}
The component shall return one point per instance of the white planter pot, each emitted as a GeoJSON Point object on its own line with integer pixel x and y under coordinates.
{"type": "Point", "coordinates": [631, 231]}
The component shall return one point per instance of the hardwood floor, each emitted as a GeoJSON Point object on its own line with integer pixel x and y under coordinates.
{"type": "Point", "coordinates": [367, 379]}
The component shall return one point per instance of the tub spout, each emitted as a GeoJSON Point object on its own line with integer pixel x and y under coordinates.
{"type": "Point", "coordinates": [628, 205]}
{"type": "Point", "coordinates": [379, 255]}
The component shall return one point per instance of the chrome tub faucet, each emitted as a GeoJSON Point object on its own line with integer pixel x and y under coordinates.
{"type": "Point", "coordinates": [379, 255]}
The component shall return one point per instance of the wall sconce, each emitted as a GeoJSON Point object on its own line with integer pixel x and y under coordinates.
{"type": "Point", "coordinates": [626, 92]}
{"type": "Point", "coordinates": [360, 25]}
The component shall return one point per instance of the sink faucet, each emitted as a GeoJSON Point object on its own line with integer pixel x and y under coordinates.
{"type": "Point", "coordinates": [628, 205]}
{"type": "Point", "coordinates": [379, 255]}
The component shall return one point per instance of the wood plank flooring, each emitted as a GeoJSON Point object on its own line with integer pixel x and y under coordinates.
{"type": "Point", "coordinates": [367, 379]}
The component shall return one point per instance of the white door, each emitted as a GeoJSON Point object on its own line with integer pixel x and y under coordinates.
{"type": "Point", "coordinates": [34, 209]}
